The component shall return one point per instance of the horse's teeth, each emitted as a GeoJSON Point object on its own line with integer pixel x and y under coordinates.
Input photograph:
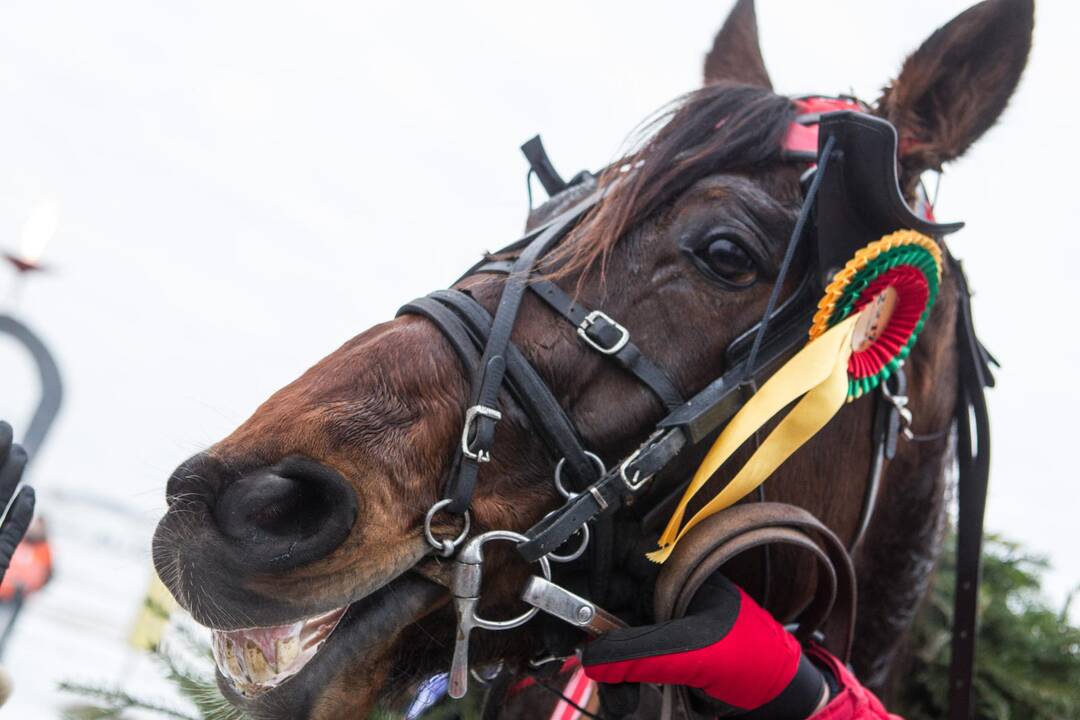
{"type": "Point", "coordinates": [258, 668]}
{"type": "Point", "coordinates": [258, 659]}
{"type": "Point", "coordinates": [232, 663]}
{"type": "Point", "coordinates": [287, 650]}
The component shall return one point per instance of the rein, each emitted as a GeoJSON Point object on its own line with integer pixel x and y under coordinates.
{"type": "Point", "coordinates": [852, 197]}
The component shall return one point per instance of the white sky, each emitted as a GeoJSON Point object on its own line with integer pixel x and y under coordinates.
{"type": "Point", "coordinates": [240, 187]}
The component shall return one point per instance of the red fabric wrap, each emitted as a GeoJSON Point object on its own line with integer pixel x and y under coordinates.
{"type": "Point", "coordinates": [746, 668]}
{"type": "Point", "coordinates": [853, 702]}
{"type": "Point", "coordinates": [804, 138]}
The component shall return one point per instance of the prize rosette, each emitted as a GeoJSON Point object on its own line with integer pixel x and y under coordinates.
{"type": "Point", "coordinates": [865, 326]}
{"type": "Point", "coordinates": [895, 281]}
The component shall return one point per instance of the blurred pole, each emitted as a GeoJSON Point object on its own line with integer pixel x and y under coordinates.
{"type": "Point", "coordinates": [52, 387]}
{"type": "Point", "coordinates": [13, 608]}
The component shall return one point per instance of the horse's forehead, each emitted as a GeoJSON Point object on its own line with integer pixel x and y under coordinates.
{"type": "Point", "coordinates": [774, 188]}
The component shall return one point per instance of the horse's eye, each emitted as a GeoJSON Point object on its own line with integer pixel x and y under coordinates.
{"type": "Point", "coordinates": [724, 257]}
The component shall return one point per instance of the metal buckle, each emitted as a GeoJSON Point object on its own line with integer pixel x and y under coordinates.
{"type": "Point", "coordinates": [899, 403]}
{"type": "Point", "coordinates": [480, 456]}
{"type": "Point", "coordinates": [590, 320]}
{"type": "Point", "coordinates": [637, 482]}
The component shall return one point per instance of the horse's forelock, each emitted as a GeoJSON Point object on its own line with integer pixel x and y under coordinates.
{"type": "Point", "coordinates": [718, 128]}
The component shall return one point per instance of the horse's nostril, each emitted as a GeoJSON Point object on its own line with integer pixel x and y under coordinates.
{"type": "Point", "coordinates": [266, 502]}
{"type": "Point", "coordinates": [295, 511]}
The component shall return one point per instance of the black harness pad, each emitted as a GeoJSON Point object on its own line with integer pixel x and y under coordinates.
{"type": "Point", "coordinates": [860, 199]}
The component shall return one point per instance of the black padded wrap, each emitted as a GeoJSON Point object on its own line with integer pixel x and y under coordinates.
{"type": "Point", "coordinates": [798, 700]}
{"type": "Point", "coordinates": [712, 615]}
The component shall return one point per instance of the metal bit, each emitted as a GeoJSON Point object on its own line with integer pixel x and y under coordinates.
{"type": "Point", "coordinates": [571, 608]}
{"type": "Point", "coordinates": [465, 586]}
{"type": "Point", "coordinates": [459, 666]}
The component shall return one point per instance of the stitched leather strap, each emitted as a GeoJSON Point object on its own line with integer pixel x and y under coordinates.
{"type": "Point", "coordinates": [603, 497]}
{"type": "Point", "coordinates": [452, 327]}
{"type": "Point", "coordinates": [973, 457]}
{"type": "Point", "coordinates": [533, 394]}
{"type": "Point", "coordinates": [487, 378]}
{"type": "Point", "coordinates": [465, 325]}
{"type": "Point", "coordinates": [603, 333]}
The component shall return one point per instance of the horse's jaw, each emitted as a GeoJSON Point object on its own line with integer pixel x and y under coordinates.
{"type": "Point", "coordinates": [342, 672]}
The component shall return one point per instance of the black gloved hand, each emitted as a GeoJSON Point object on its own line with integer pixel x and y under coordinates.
{"type": "Point", "coordinates": [12, 462]}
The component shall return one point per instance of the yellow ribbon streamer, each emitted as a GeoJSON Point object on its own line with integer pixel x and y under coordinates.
{"type": "Point", "coordinates": [818, 373]}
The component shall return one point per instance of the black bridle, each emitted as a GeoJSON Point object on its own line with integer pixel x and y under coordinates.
{"type": "Point", "coordinates": [851, 198]}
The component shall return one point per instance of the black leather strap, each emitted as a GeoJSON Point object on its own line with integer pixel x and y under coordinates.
{"type": "Point", "coordinates": [884, 431]}
{"type": "Point", "coordinates": [534, 396]}
{"type": "Point", "coordinates": [479, 436]}
{"type": "Point", "coordinates": [603, 497]}
{"type": "Point", "coordinates": [540, 163]}
{"type": "Point", "coordinates": [973, 456]}
{"type": "Point", "coordinates": [689, 423]}
{"type": "Point", "coordinates": [463, 342]}
{"type": "Point", "coordinates": [603, 333]}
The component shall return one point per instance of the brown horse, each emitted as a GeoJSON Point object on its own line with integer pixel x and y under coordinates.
{"type": "Point", "coordinates": [305, 525]}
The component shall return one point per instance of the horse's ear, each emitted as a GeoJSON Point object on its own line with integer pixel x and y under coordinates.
{"type": "Point", "coordinates": [954, 87]}
{"type": "Point", "coordinates": [736, 54]}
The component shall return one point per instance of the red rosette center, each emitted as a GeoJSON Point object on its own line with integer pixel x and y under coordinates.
{"type": "Point", "coordinates": [904, 292]}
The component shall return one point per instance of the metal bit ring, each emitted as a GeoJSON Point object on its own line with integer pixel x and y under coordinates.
{"type": "Point", "coordinates": [445, 546]}
{"type": "Point", "coordinates": [479, 541]}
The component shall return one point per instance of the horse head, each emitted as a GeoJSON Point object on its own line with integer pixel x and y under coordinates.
{"type": "Point", "coordinates": [300, 537]}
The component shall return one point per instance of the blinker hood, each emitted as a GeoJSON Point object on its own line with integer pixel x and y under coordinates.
{"type": "Point", "coordinates": [859, 199]}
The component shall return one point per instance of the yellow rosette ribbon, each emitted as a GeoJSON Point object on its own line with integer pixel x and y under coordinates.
{"type": "Point", "coordinates": [819, 375]}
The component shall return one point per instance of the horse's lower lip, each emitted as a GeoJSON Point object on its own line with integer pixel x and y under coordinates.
{"type": "Point", "coordinates": [255, 660]}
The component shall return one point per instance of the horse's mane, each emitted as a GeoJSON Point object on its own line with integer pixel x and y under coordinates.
{"type": "Point", "coordinates": [719, 128]}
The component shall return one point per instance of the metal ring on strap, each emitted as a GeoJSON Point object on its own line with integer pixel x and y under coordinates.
{"type": "Point", "coordinates": [585, 536]}
{"type": "Point", "coordinates": [558, 474]}
{"type": "Point", "coordinates": [545, 567]}
{"type": "Point", "coordinates": [445, 547]}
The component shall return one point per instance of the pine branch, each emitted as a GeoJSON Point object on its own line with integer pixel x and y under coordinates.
{"type": "Point", "coordinates": [116, 701]}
